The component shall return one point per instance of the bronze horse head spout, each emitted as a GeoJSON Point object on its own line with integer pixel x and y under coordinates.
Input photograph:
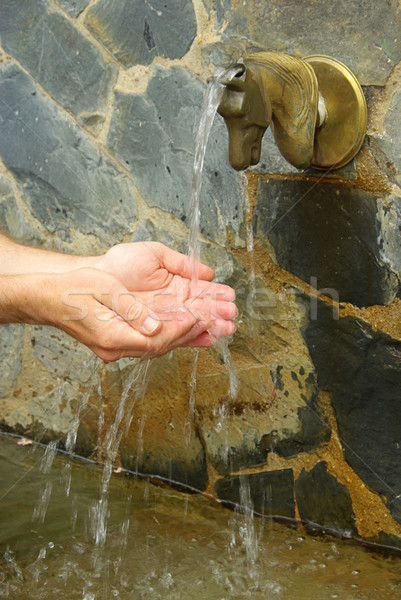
{"type": "Point", "coordinates": [270, 89]}
{"type": "Point", "coordinates": [247, 115]}
{"type": "Point", "coordinates": [315, 107]}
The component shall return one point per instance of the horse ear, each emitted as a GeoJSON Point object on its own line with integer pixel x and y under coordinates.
{"type": "Point", "coordinates": [232, 104]}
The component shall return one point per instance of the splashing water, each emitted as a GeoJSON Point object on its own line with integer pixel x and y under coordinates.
{"type": "Point", "coordinates": [39, 512]}
{"type": "Point", "coordinates": [248, 530]}
{"type": "Point", "coordinates": [93, 364]}
{"type": "Point", "coordinates": [99, 511]}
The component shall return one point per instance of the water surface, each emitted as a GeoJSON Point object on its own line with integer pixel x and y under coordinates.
{"type": "Point", "coordinates": [161, 543]}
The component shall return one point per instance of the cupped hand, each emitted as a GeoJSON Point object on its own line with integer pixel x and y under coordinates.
{"type": "Point", "coordinates": [144, 266]}
{"type": "Point", "coordinates": [98, 310]}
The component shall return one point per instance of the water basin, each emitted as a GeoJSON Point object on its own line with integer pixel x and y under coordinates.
{"type": "Point", "coordinates": [161, 543]}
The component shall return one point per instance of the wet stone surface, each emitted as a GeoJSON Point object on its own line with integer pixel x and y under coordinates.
{"type": "Point", "coordinates": [390, 139]}
{"type": "Point", "coordinates": [135, 32]}
{"type": "Point", "coordinates": [179, 469]}
{"type": "Point", "coordinates": [273, 413]}
{"type": "Point", "coordinates": [61, 355]}
{"type": "Point", "coordinates": [362, 370]}
{"type": "Point", "coordinates": [276, 408]}
{"type": "Point", "coordinates": [270, 493]}
{"type": "Point", "coordinates": [322, 499]}
{"type": "Point", "coordinates": [162, 438]}
{"type": "Point", "coordinates": [331, 237]}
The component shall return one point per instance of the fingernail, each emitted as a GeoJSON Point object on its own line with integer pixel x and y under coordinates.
{"type": "Point", "coordinates": [150, 324]}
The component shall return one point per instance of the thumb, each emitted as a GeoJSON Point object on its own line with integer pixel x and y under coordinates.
{"type": "Point", "coordinates": [137, 315]}
{"type": "Point", "coordinates": [133, 311]}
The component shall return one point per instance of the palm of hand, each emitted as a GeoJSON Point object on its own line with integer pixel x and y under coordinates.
{"type": "Point", "coordinates": [138, 266]}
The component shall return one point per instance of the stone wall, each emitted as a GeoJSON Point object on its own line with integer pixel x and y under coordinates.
{"type": "Point", "coordinates": [99, 101]}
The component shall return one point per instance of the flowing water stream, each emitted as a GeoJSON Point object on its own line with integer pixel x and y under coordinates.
{"type": "Point", "coordinates": [210, 104]}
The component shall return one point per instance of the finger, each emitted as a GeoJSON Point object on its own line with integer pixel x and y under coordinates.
{"type": "Point", "coordinates": [221, 328]}
{"type": "Point", "coordinates": [131, 310]}
{"type": "Point", "coordinates": [220, 291]}
{"type": "Point", "coordinates": [199, 328]}
{"type": "Point", "coordinates": [208, 338]}
{"type": "Point", "coordinates": [181, 264]}
{"type": "Point", "coordinates": [133, 343]}
{"type": "Point", "coordinates": [212, 309]}
{"type": "Point", "coordinates": [202, 341]}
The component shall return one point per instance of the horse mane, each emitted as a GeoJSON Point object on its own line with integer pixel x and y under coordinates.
{"type": "Point", "coordinates": [297, 75]}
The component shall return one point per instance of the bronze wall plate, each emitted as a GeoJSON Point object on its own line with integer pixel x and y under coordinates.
{"type": "Point", "coordinates": [340, 136]}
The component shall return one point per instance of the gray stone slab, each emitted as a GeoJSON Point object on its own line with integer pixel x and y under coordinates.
{"type": "Point", "coordinates": [362, 370]}
{"type": "Point", "coordinates": [389, 140]}
{"type": "Point", "coordinates": [321, 499]}
{"type": "Point", "coordinates": [153, 136]}
{"type": "Point", "coordinates": [330, 236]}
{"type": "Point", "coordinates": [13, 220]}
{"type": "Point", "coordinates": [135, 32]}
{"type": "Point", "coordinates": [275, 412]}
{"type": "Point", "coordinates": [73, 7]}
{"type": "Point", "coordinates": [183, 468]}
{"type": "Point", "coordinates": [389, 218]}
{"type": "Point", "coordinates": [58, 56]}
{"type": "Point", "coordinates": [364, 34]}
{"type": "Point", "coordinates": [63, 356]}
{"type": "Point", "coordinates": [387, 539]}
{"type": "Point", "coordinates": [66, 180]}
{"type": "Point", "coordinates": [11, 345]}
{"type": "Point", "coordinates": [276, 408]}
{"type": "Point", "coordinates": [271, 493]}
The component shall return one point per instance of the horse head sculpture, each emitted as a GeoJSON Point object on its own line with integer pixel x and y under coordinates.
{"type": "Point", "coordinates": [315, 107]}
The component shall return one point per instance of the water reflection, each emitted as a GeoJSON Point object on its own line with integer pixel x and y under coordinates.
{"type": "Point", "coordinates": [161, 544]}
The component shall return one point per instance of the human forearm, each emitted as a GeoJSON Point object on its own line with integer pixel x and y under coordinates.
{"type": "Point", "coordinates": [17, 259]}
{"type": "Point", "coordinates": [25, 299]}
